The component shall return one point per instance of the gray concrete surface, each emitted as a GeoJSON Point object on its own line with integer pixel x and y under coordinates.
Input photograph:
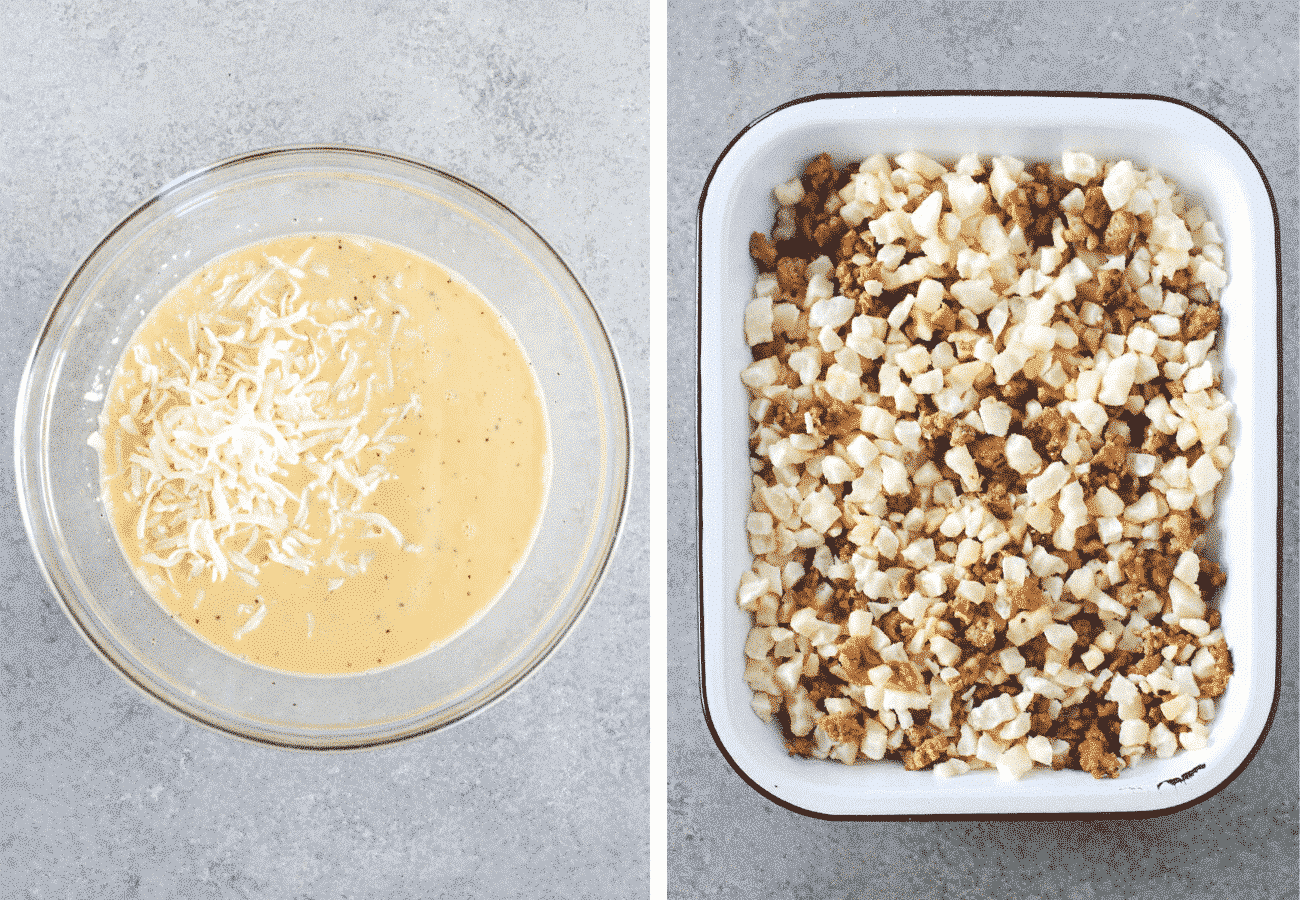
{"type": "Point", "coordinates": [104, 794]}
{"type": "Point", "coordinates": [730, 63]}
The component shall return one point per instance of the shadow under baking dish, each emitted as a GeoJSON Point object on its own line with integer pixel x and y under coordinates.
{"type": "Point", "coordinates": [1208, 163]}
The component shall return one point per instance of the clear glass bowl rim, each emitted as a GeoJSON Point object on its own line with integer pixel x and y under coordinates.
{"type": "Point", "coordinates": [35, 504]}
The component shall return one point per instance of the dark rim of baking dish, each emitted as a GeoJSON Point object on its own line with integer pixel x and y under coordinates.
{"type": "Point", "coordinates": [699, 504]}
{"type": "Point", "coordinates": [530, 664]}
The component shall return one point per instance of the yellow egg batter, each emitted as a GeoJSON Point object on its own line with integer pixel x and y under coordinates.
{"type": "Point", "coordinates": [324, 454]}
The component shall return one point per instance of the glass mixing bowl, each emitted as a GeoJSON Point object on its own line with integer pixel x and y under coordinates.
{"type": "Point", "coordinates": [254, 198]}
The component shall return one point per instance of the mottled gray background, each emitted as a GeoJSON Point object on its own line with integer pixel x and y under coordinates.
{"type": "Point", "coordinates": [728, 64]}
{"type": "Point", "coordinates": [103, 794]}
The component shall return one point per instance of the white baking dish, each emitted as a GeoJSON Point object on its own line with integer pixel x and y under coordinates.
{"type": "Point", "coordinates": [1208, 163]}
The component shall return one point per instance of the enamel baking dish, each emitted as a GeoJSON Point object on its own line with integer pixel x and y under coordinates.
{"type": "Point", "coordinates": [1210, 165]}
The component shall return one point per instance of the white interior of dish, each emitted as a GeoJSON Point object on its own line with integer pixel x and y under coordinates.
{"type": "Point", "coordinates": [1209, 165]}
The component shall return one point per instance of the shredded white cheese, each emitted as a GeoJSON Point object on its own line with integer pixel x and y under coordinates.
{"type": "Point", "coordinates": [236, 435]}
{"type": "Point", "coordinates": [256, 619]}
